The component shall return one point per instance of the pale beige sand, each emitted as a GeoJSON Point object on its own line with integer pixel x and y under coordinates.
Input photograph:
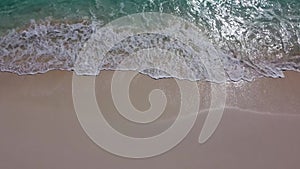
{"type": "Point", "coordinates": [39, 128]}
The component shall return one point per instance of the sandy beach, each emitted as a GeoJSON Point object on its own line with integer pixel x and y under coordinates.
{"type": "Point", "coordinates": [39, 128]}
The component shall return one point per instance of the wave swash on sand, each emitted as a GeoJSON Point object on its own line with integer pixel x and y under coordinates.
{"type": "Point", "coordinates": [261, 42]}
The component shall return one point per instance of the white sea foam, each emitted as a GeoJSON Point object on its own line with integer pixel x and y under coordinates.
{"type": "Point", "coordinates": [156, 46]}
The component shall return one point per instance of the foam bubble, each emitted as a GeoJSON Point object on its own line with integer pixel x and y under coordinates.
{"type": "Point", "coordinates": [43, 46]}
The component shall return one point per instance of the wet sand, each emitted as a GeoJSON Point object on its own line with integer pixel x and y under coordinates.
{"type": "Point", "coordinates": [39, 128]}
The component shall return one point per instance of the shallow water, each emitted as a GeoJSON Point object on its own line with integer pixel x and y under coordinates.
{"type": "Point", "coordinates": [251, 39]}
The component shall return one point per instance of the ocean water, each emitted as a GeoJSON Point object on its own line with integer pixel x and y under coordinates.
{"type": "Point", "coordinates": [187, 39]}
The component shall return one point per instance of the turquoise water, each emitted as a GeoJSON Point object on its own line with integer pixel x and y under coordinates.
{"type": "Point", "coordinates": [15, 13]}
{"type": "Point", "coordinates": [256, 37]}
{"type": "Point", "coordinates": [18, 12]}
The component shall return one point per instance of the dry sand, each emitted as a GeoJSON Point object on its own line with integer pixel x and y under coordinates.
{"type": "Point", "coordinates": [39, 128]}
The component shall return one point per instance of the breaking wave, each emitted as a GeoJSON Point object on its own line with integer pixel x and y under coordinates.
{"type": "Point", "coordinates": [251, 39]}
